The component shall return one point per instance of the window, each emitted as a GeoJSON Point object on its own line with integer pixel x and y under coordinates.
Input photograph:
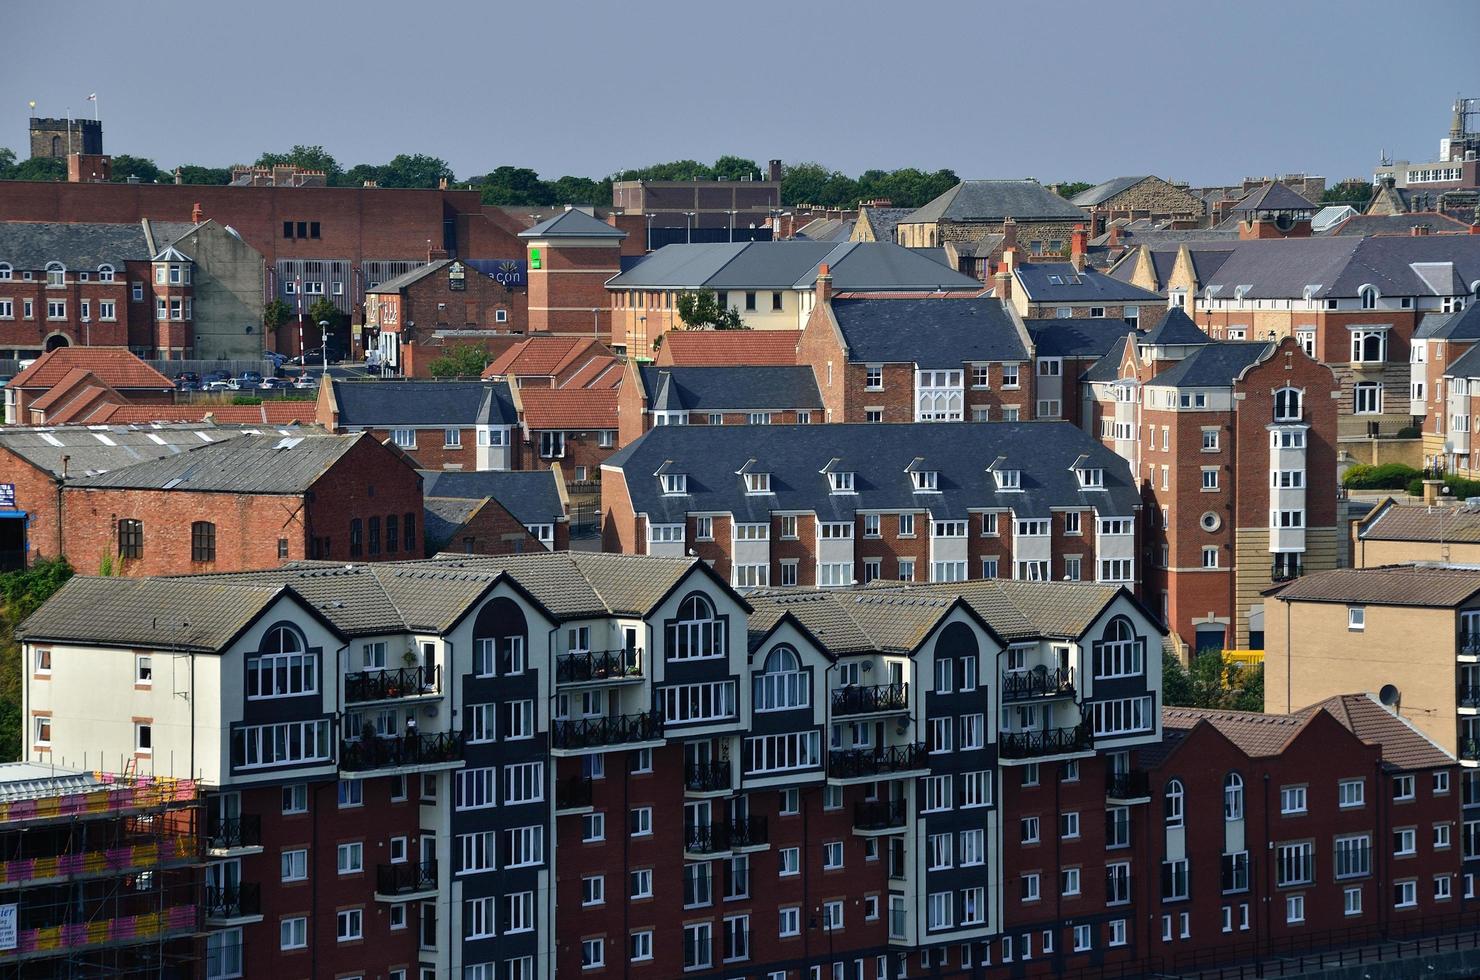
{"type": "Point", "coordinates": [593, 828]}
{"type": "Point", "coordinates": [832, 855]}
{"type": "Point", "coordinates": [257, 746]}
{"type": "Point", "coordinates": [1173, 803]}
{"type": "Point", "coordinates": [552, 445]}
{"type": "Point", "coordinates": [1287, 405]}
{"type": "Point", "coordinates": [873, 376]}
{"type": "Point", "coordinates": [1443, 888]}
{"type": "Point", "coordinates": [697, 633]}
{"type": "Point", "coordinates": [1356, 618]}
{"type": "Point", "coordinates": [1367, 398]}
{"type": "Point", "coordinates": [202, 541]}
{"type": "Point", "coordinates": [1028, 830]}
{"type": "Point", "coordinates": [1069, 825]}
{"type": "Point", "coordinates": [1405, 842]}
{"type": "Point", "coordinates": [1294, 864]}
{"type": "Point", "coordinates": [43, 730]}
{"type": "Point", "coordinates": [293, 933]}
{"type": "Point", "coordinates": [1210, 556]}
{"type": "Point", "coordinates": [1403, 787]}
{"type": "Point", "coordinates": [593, 890]}
{"type": "Point", "coordinates": [130, 538]}
{"type": "Point", "coordinates": [640, 946]}
{"type": "Point", "coordinates": [781, 684]}
{"type": "Point", "coordinates": [1351, 793]}
{"type": "Point", "coordinates": [295, 799]}
{"type": "Point", "coordinates": [351, 858]}
{"type": "Point", "coordinates": [1233, 797]}
{"type": "Point", "coordinates": [1292, 800]}
{"type": "Point", "coordinates": [697, 940]}
{"type": "Point", "coordinates": [1405, 894]}
{"type": "Point", "coordinates": [1353, 856]}
{"type": "Point", "coordinates": [640, 821]}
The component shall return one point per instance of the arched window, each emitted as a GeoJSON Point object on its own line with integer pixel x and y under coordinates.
{"type": "Point", "coordinates": [6, 272]}
{"type": "Point", "coordinates": [283, 666]}
{"type": "Point", "coordinates": [1173, 803]}
{"type": "Point", "coordinates": [781, 683]}
{"type": "Point", "coordinates": [1287, 405]}
{"type": "Point", "coordinates": [697, 632]}
{"type": "Point", "coordinates": [56, 274]}
{"type": "Point", "coordinates": [1368, 296]}
{"type": "Point", "coordinates": [283, 639]}
{"type": "Point", "coordinates": [105, 273]}
{"type": "Point", "coordinates": [1233, 797]}
{"type": "Point", "coordinates": [1369, 346]}
{"type": "Point", "coordinates": [1119, 652]}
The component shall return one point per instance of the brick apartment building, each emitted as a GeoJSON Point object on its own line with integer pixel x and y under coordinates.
{"type": "Point", "coordinates": [1234, 446]}
{"type": "Point", "coordinates": [403, 313]}
{"type": "Point", "coordinates": [1068, 290]}
{"type": "Point", "coordinates": [715, 395]}
{"type": "Point", "coordinates": [490, 512]}
{"type": "Point", "coordinates": [727, 348]}
{"type": "Point", "coordinates": [905, 779]}
{"type": "Point", "coordinates": [831, 505]}
{"type": "Point", "coordinates": [571, 256]}
{"type": "Point", "coordinates": [1444, 387]}
{"type": "Point", "coordinates": [458, 425]}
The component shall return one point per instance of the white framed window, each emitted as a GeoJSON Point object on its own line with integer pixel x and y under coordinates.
{"type": "Point", "coordinates": [1367, 398]}
{"type": "Point", "coordinates": [293, 933]}
{"type": "Point", "coordinates": [1356, 618]}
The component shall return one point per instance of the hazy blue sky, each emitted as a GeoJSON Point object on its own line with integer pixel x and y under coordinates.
{"type": "Point", "coordinates": [1198, 90]}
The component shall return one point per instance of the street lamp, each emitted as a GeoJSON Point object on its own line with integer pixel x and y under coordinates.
{"type": "Point", "coordinates": [688, 228]}
{"type": "Point", "coordinates": [595, 323]}
{"type": "Point", "coordinates": [324, 343]}
{"type": "Point", "coordinates": [732, 212]}
{"type": "Point", "coordinates": [651, 215]}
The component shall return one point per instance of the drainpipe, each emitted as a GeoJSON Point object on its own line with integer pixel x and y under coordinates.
{"type": "Point", "coordinates": [60, 482]}
{"type": "Point", "coordinates": [1269, 878]}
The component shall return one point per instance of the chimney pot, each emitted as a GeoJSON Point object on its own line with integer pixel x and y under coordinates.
{"type": "Point", "coordinates": [823, 290]}
{"type": "Point", "coordinates": [196, 215]}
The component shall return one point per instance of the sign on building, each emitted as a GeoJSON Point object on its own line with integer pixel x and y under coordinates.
{"type": "Point", "coordinates": [8, 926]}
{"type": "Point", "coordinates": [7, 496]}
{"type": "Point", "coordinates": [457, 277]}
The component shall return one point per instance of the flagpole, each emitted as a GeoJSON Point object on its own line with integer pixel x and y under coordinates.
{"type": "Point", "coordinates": [95, 107]}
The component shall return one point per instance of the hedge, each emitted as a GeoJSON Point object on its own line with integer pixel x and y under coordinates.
{"type": "Point", "coordinates": [1388, 476]}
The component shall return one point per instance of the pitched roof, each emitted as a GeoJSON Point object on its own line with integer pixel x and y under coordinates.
{"type": "Point", "coordinates": [1337, 266]}
{"type": "Point", "coordinates": [573, 223]}
{"type": "Point", "coordinates": [1273, 196]}
{"type": "Point", "coordinates": [80, 246]}
{"type": "Point", "coordinates": [265, 464]}
{"type": "Point", "coordinates": [1061, 282]}
{"type": "Point", "coordinates": [397, 283]}
{"type": "Point", "coordinates": [272, 411]}
{"type": "Point", "coordinates": [878, 455]}
{"type": "Point", "coordinates": [549, 356]}
{"type": "Point", "coordinates": [1386, 585]}
{"type": "Point", "coordinates": [1403, 745]}
{"type": "Point", "coordinates": [1400, 224]}
{"type": "Point", "coordinates": [696, 348]}
{"type": "Point", "coordinates": [1080, 337]}
{"type": "Point", "coordinates": [116, 366]}
{"type": "Point", "coordinates": [384, 404]}
{"type": "Point", "coordinates": [96, 449]}
{"type": "Point", "coordinates": [1107, 368]}
{"type": "Point", "coordinates": [1463, 325]}
{"type": "Point", "coordinates": [1414, 522]}
{"type": "Point", "coordinates": [1214, 365]}
{"type": "Point", "coordinates": [931, 333]}
{"type": "Point", "coordinates": [714, 389]}
{"type": "Point", "coordinates": [993, 201]}
{"type": "Point", "coordinates": [1467, 365]}
{"type": "Point", "coordinates": [791, 264]}
{"type": "Point", "coordinates": [1174, 329]}
{"type": "Point", "coordinates": [1255, 733]}
{"type": "Point", "coordinates": [1100, 193]}
{"type": "Point", "coordinates": [531, 496]}
{"type": "Point", "coordinates": [883, 220]}
{"type": "Point", "coordinates": [569, 408]}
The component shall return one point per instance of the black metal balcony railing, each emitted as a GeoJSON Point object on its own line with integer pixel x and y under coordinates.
{"type": "Point", "coordinates": [406, 878]}
{"type": "Point", "coordinates": [229, 832]}
{"type": "Point", "coordinates": [573, 793]}
{"type": "Point", "coordinates": [586, 733]}
{"type": "Point", "coordinates": [234, 901]}
{"type": "Point", "coordinates": [1235, 873]}
{"type": "Point", "coordinates": [1131, 785]}
{"type": "Point", "coordinates": [855, 763]}
{"type": "Point", "coordinates": [855, 700]}
{"type": "Point", "coordinates": [421, 749]}
{"type": "Point", "coordinates": [1052, 741]}
{"type": "Point", "coordinates": [394, 682]}
{"type": "Point", "coordinates": [1285, 571]}
{"type": "Point", "coordinates": [706, 777]}
{"type": "Point", "coordinates": [711, 838]}
{"type": "Point", "coordinates": [1117, 886]}
{"type": "Point", "coordinates": [1040, 682]}
{"type": "Point", "coordinates": [1469, 644]}
{"type": "Point", "coordinates": [879, 814]}
{"type": "Point", "coordinates": [1468, 696]}
{"type": "Point", "coordinates": [1469, 749]}
{"type": "Point", "coordinates": [601, 665]}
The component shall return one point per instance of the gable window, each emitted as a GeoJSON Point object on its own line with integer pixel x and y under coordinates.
{"type": "Point", "coordinates": [782, 683]}
{"type": "Point", "coordinates": [696, 633]}
{"type": "Point", "coordinates": [1368, 297]}
{"type": "Point", "coordinates": [1287, 404]}
{"type": "Point", "coordinates": [202, 541]}
{"type": "Point", "coordinates": [924, 480]}
{"type": "Point", "coordinates": [56, 274]}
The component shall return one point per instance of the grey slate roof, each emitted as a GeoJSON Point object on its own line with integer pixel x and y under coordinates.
{"type": "Point", "coordinates": [1082, 337]}
{"type": "Point", "coordinates": [531, 496]}
{"type": "Point", "coordinates": [269, 464]}
{"type": "Point", "coordinates": [97, 449]}
{"type": "Point", "coordinates": [1100, 193]}
{"type": "Point", "coordinates": [753, 388]}
{"type": "Point", "coordinates": [1107, 368]}
{"type": "Point", "coordinates": [385, 404]}
{"type": "Point", "coordinates": [29, 245]}
{"type": "Point", "coordinates": [994, 200]}
{"type": "Point", "coordinates": [931, 333]}
{"type": "Point", "coordinates": [795, 456]}
{"type": "Point", "coordinates": [1273, 196]}
{"type": "Point", "coordinates": [1214, 365]}
{"type": "Point", "coordinates": [442, 516]}
{"type": "Point", "coordinates": [1467, 365]}
{"type": "Point", "coordinates": [790, 264]}
{"type": "Point", "coordinates": [884, 220]}
{"type": "Point", "coordinates": [1464, 325]}
{"type": "Point", "coordinates": [573, 224]}
{"type": "Point", "coordinates": [1175, 328]}
{"type": "Point", "coordinates": [1060, 282]}
{"type": "Point", "coordinates": [1337, 266]}
{"type": "Point", "coordinates": [1207, 255]}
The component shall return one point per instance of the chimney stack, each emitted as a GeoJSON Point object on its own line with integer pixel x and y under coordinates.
{"type": "Point", "coordinates": [1076, 248]}
{"type": "Point", "coordinates": [196, 214]}
{"type": "Point", "coordinates": [1002, 284]}
{"type": "Point", "coordinates": [823, 290]}
{"type": "Point", "coordinates": [1009, 234]}
{"type": "Point", "coordinates": [1418, 231]}
{"type": "Point", "coordinates": [1114, 235]}
{"type": "Point", "coordinates": [773, 171]}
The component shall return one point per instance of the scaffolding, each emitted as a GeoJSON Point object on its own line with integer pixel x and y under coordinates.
{"type": "Point", "coordinates": [100, 874]}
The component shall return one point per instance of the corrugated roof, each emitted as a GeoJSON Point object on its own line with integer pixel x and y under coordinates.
{"type": "Point", "coordinates": [272, 411]}
{"type": "Point", "coordinates": [266, 464]}
{"type": "Point", "coordinates": [938, 332]}
{"type": "Point", "coordinates": [116, 366]}
{"type": "Point", "coordinates": [96, 449]}
{"type": "Point", "coordinates": [1387, 585]}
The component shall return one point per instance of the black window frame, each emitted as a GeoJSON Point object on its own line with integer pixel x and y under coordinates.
{"type": "Point", "coordinates": [202, 541]}
{"type": "Point", "coordinates": [130, 538]}
{"type": "Point", "coordinates": [356, 537]}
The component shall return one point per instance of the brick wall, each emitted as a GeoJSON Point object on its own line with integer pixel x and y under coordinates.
{"type": "Point", "coordinates": [369, 481]}
{"type": "Point", "coordinates": [494, 531]}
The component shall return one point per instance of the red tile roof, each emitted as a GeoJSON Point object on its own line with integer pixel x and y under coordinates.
{"type": "Point", "coordinates": [1256, 734]}
{"type": "Point", "coordinates": [67, 388]}
{"type": "Point", "coordinates": [698, 348]}
{"type": "Point", "coordinates": [569, 408]}
{"type": "Point", "coordinates": [115, 366]}
{"type": "Point", "coordinates": [1403, 746]}
{"type": "Point", "coordinates": [560, 358]}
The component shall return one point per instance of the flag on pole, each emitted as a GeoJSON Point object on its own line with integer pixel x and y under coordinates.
{"type": "Point", "coordinates": [93, 97]}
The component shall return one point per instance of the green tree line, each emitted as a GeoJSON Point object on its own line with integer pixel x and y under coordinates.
{"type": "Point", "coordinates": [21, 593]}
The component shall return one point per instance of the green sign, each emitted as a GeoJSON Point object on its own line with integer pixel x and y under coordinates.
{"type": "Point", "coordinates": [534, 258]}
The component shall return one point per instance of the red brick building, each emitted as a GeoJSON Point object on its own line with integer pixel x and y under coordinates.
{"type": "Point", "coordinates": [497, 513]}
{"type": "Point", "coordinates": [749, 395]}
{"type": "Point", "coordinates": [70, 380]}
{"type": "Point", "coordinates": [557, 362]}
{"type": "Point", "coordinates": [570, 258]}
{"type": "Point", "coordinates": [576, 427]}
{"type": "Point", "coordinates": [404, 313]}
{"type": "Point", "coordinates": [452, 425]}
{"type": "Point", "coordinates": [707, 348]}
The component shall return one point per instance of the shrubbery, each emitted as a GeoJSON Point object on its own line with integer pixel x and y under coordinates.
{"type": "Point", "coordinates": [1388, 476]}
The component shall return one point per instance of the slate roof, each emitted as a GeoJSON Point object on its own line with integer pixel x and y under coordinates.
{"type": "Point", "coordinates": [82, 246]}
{"type": "Point", "coordinates": [1174, 329]}
{"type": "Point", "coordinates": [1255, 733]}
{"type": "Point", "coordinates": [265, 464]}
{"type": "Point", "coordinates": [1207, 257]}
{"type": "Point", "coordinates": [1386, 585]}
{"type": "Point", "coordinates": [389, 403]}
{"type": "Point", "coordinates": [1100, 193]}
{"type": "Point", "coordinates": [573, 223]}
{"type": "Point", "coordinates": [1107, 368]}
{"type": "Point", "coordinates": [1404, 747]}
{"type": "Point", "coordinates": [714, 389]}
{"type": "Point", "coordinates": [395, 284]}
{"type": "Point", "coordinates": [1273, 196]}
{"type": "Point", "coordinates": [1060, 282]}
{"type": "Point", "coordinates": [826, 230]}
{"type": "Point", "coordinates": [1463, 325]}
{"type": "Point", "coordinates": [883, 220]}
{"type": "Point", "coordinates": [994, 200]}
{"type": "Point", "coordinates": [531, 496]}
{"type": "Point", "coordinates": [795, 456]}
{"type": "Point", "coordinates": [1080, 337]}
{"type": "Point", "coordinates": [1416, 522]}
{"type": "Point", "coordinates": [696, 348]}
{"type": "Point", "coordinates": [792, 264]}
{"type": "Point", "coordinates": [1398, 265]}
{"type": "Point", "coordinates": [98, 449]}
{"type": "Point", "coordinates": [569, 408]}
{"type": "Point", "coordinates": [1214, 365]}
{"type": "Point", "coordinates": [443, 516]}
{"type": "Point", "coordinates": [1400, 224]}
{"type": "Point", "coordinates": [115, 366]}
{"type": "Point", "coordinates": [931, 333]}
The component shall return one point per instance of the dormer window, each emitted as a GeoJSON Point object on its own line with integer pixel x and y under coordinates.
{"type": "Point", "coordinates": [1368, 296]}
{"type": "Point", "coordinates": [6, 272]}
{"type": "Point", "coordinates": [924, 480]}
{"type": "Point", "coordinates": [1090, 477]}
{"type": "Point", "coordinates": [1008, 479]}
{"type": "Point", "coordinates": [674, 483]}
{"type": "Point", "coordinates": [56, 274]}
{"type": "Point", "coordinates": [1287, 405]}
{"type": "Point", "coordinates": [841, 481]}
{"type": "Point", "coordinates": [757, 483]}
{"type": "Point", "coordinates": [105, 273]}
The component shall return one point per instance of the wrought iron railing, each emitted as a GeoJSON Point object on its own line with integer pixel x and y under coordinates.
{"type": "Point", "coordinates": [1040, 682]}
{"type": "Point", "coordinates": [1286, 571]}
{"type": "Point", "coordinates": [711, 838]}
{"type": "Point", "coordinates": [1469, 644]}
{"type": "Point", "coordinates": [1468, 696]}
{"type": "Point", "coordinates": [421, 749]}
{"type": "Point", "coordinates": [600, 665]}
{"type": "Point", "coordinates": [406, 878]}
{"type": "Point", "coordinates": [1052, 741]}
{"type": "Point", "coordinates": [1130, 785]}
{"type": "Point", "coordinates": [1469, 750]}
{"type": "Point", "coordinates": [573, 793]}
{"type": "Point", "coordinates": [879, 814]}
{"type": "Point", "coordinates": [706, 777]}
{"type": "Point", "coordinates": [855, 700]}
{"type": "Point", "coordinates": [854, 763]}
{"type": "Point", "coordinates": [234, 901]}
{"type": "Point", "coordinates": [225, 833]}
{"type": "Point", "coordinates": [586, 733]}
{"type": "Point", "coordinates": [390, 683]}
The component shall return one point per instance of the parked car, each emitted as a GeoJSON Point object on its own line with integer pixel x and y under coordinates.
{"type": "Point", "coordinates": [251, 379]}
{"type": "Point", "coordinates": [187, 378]}
{"type": "Point", "coordinates": [220, 385]}
{"type": "Point", "coordinates": [217, 376]}
{"type": "Point", "coordinates": [316, 356]}
{"type": "Point", "coordinates": [274, 384]}
{"type": "Point", "coordinates": [306, 380]}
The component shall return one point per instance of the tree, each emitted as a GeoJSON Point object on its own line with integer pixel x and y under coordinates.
{"type": "Point", "coordinates": [7, 161]}
{"type": "Point", "coordinates": [305, 158]}
{"type": "Point", "coordinates": [191, 174]}
{"type": "Point", "coordinates": [275, 314]}
{"type": "Point", "coordinates": [803, 183]}
{"type": "Point", "coordinates": [1250, 695]}
{"type": "Point", "coordinates": [736, 168]}
{"type": "Point", "coordinates": [1068, 189]}
{"type": "Point", "coordinates": [125, 167]}
{"type": "Point", "coordinates": [357, 175]}
{"type": "Point", "coordinates": [580, 190]}
{"type": "Point", "coordinates": [466, 361]}
{"type": "Point", "coordinates": [701, 311]}
{"type": "Point", "coordinates": [414, 170]}
{"type": "Point", "coordinates": [1348, 192]}
{"type": "Point", "coordinates": [1211, 681]}
{"type": "Point", "coordinates": [21, 593]}
{"type": "Point", "coordinates": [39, 168]}
{"type": "Point", "coordinates": [516, 186]}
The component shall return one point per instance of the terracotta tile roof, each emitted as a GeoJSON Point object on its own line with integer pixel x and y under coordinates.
{"type": "Point", "coordinates": [1387, 585]}
{"type": "Point", "coordinates": [569, 408]}
{"type": "Point", "coordinates": [276, 412]}
{"type": "Point", "coordinates": [114, 365]}
{"type": "Point", "coordinates": [67, 388]}
{"type": "Point", "coordinates": [82, 402]}
{"type": "Point", "coordinates": [1403, 746]}
{"type": "Point", "coordinates": [1407, 522]}
{"type": "Point", "coordinates": [695, 348]}
{"type": "Point", "coordinates": [1255, 733]}
{"type": "Point", "coordinates": [569, 361]}
{"type": "Point", "coordinates": [599, 372]}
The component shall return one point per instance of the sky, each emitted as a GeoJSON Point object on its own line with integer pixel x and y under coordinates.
{"type": "Point", "coordinates": [1205, 91]}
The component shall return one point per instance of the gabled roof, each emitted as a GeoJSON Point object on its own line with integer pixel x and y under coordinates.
{"type": "Point", "coordinates": [1061, 282]}
{"type": "Point", "coordinates": [573, 223]}
{"type": "Point", "coordinates": [938, 332]}
{"type": "Point", "coordinates": [1254, 733]}
{"type": "Point", "coordinates": [386, 404]}
{"type": "Point", "coordinates": [994, 200]}
{"type": "Point", "coordinates": [1438, 586]}
{"type": "Point", "coordinates": [1273, 196]}
{"type": "Point", "coordinates": [1404, 747]}
{"type": "Point", "coordinates": [560, 358]}
{"type": "Point", "coordinates": [1174, 329]}
{"type": "Point", "coordinates": [715, 389]}
{"type": "Point", "coordinates": [272, 411]}
{"type": "Point", "coordinates": [1467, 365]}
{"type": "Point", "coordinates": [883, 220]}
{"type": "Point", "coordinates": [80, 246]}
{"type": "Point", "coordinates": [569, 408]}
{"type": "Point", "coordinates": [1394, 521]}
{"type": "Point", "coordinates": [1214, 365]}
{"type": "Point", "coordinates": [791, 264]}
{"type": "Point", "coordinates": [265, 464]}
{"type": "Point", "coordinates": [397, 283]}
{"type": "Point", "coordinates": [1400, 224]}
{"type": "Point", "coordinates": [1107, 368]}
{"type": "Point", "coordinates": [1100, 193]}
{"type": "Point", "coordinates": [697, 348]}
{"type": "Point", "coordinates": [171, 254]}
{"type": "Point", "coordinates": [95, 449]}
{"type": "Point", "coordinates": [115, 366]}
{"type": "Point", "coordinates": [1081, 337]}
{"type": "Point", "coordinates": [1464, 325]}
{"type": "Point", "coordinates": [531, 496]}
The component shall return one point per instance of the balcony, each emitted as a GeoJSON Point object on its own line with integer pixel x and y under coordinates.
{"type": "Point", "coordinates": [731, 835]}
{"type": "Point", "coordinates": [863, 765]}
{"type": "Point", "coordinates": [573, 795]}
{"type": "Point", "coordinates": [588, 667]}
{"type": "Point", "coordinates": [1133, 786]}
{"type": "Point", "coordinates": [1040, 682]}
{"type": "Point", "coordinates": [405, 753]}
{"type": "Point", "coordinates": [233, 904]}
{"type": "Point", "coordinates": [880, 698]}
{"type": "Point", "coordinates": [1469, 752]}
{"type": "Point", "coordinates": [879, 817]}
{"type": "Point", "coordinates": [367, 686]}
{"type": "Point", "coordinates": [1117, 886]}
{"type": "Point", "coordinates": [405, 881]}
{"type": "Point", "coordinates": [1467, 697]}
{"type": "Point", "coordinates": [1469, 645]}
{"type": "Point", "coordinates": [1286, 571]}
{"type": "Point", "coordinates": [234, 835]}
{"type": "Point", "coordinates": [1049, 742]}
{"type": "Point", "coordinates": [574, 736]}
{"type": "Point", "coordinates": [702, 778]}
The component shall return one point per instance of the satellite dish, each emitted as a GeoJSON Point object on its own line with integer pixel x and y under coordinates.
{"type": "Point", "coordinates": [1390, 695]}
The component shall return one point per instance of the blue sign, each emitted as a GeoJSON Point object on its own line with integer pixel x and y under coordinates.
{"type": "Point", "coordinates": [7, 496]}
{"type": "Point", "coordinates": [506, 272]}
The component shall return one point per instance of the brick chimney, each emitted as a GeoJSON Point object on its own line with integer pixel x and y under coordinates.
{"type": "Point", "coordinates": [823, 290]}
{"type": "Point", "coordinates": [1418, 231]}
{"type": "Point", "coordinates": [196, 214]}
{"type": "Point", "coordinates": [1076, 247]}
{"type": "Point", "coordinates": [773, 171]}
{"type": "Point", "coordinates": [1009, 234]}
{"type": "Point", "coordinates": [1114, 236]}
{"type": "Point", "coordinates": [1002, 281]}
